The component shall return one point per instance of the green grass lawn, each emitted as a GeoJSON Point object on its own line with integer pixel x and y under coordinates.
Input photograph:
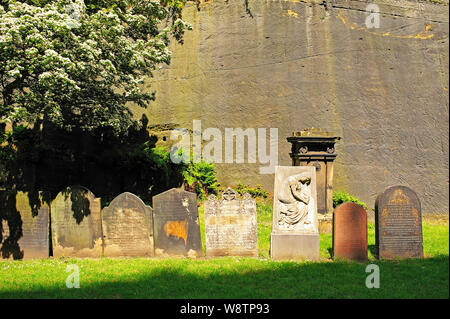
{"type": "Point", "coordinates": [235, 277]}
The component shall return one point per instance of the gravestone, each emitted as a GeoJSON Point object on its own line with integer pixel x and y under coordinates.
{"type": "Point", "coordinates": [231, 225]}
{"type": "Point", "coordinates": [25, 234]}
{"type": "Point", "coordinates": [176, 228]}
{"type": "Point", "coordinates": [127, 227]}
{"type": "Point", "coordinates": [398, 224]}
{"type": "Point", "coordinates": [76, 224]}
{"type": "Point", "coordinates": [295, 233]}
{"type": "Point", "coordinates": [350, 232]}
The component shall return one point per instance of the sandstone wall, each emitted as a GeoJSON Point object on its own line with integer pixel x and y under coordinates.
{"type": "Point", "coordinates": [297, 64]}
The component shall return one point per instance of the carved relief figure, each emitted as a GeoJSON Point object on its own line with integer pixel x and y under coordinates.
{"type": "Point", "coordinates": [296, 203]}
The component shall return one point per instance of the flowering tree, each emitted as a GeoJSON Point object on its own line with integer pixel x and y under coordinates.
{"type": "Point", "coordinates": [76, 64]}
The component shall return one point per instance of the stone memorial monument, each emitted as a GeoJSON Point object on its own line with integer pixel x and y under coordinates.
{"type": "Point", "coordinates": [295, 233]}
{"type": "Point", "coordinates": [350, 232]}
{"type": "Point", "coordinates": [127, 227]}
{"type": "Point", "coordinates": [398, 224]}
{"type": "Point", "coordinates": [76, 224]}
{"type": "Point", "coordinates": [231, 225]}
{"type": "Point", "coordinates": [176, 227]}
{"type": "Point", "coordinates": [25, 234]}
{"type": "Point", "coordinates": [315, 147]}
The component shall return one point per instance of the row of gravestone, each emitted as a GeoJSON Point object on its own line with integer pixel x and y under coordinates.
{"type": "Point", "coordinates": [127, 227]}
{"type": "Point", "coordinates": [398, 227]}
{"type": "Point", "coordinates": [295, 234]}
{"type": "Point", "coordinates": [78, 227]}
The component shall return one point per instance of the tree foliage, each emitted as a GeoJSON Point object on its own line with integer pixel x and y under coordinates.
{"type": "Point", "coordinates": [200, 178]}
{"type": "Point", "coordinates": [78, 64]}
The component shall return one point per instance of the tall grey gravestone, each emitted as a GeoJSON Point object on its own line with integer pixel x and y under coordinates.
{"type": "Point", "coordinates": [231, 225]}
{"type": "Point", "coordinates": [176, 227]}
{"type": "Point", "coordinates": [398, 224]}
{"type": "Point", "coordinates": [25, 234]}
{"type": "Point", "coordinates": [127, 227]}
{"type": "Point", "coordinates": [295, 232]}
{"type": "Point", "coordinates": [76, 224]}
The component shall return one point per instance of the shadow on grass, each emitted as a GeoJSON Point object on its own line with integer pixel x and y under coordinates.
{"type": "Point", "coordinates": [372, 249]}
{"type": "Point", "coordinates": [330, 252]}
{"type": "Point", "coordinates": [248, 278]}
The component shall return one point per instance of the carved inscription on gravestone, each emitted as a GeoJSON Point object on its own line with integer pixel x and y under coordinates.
{"type": "Point", "coordinates": [25, 233]}
{"type": "Point", "coordinates": [76, 224]}
{"type": "Point", "coordinates": [231, 225]}
{"type": "Point", "coordinates": [398, 224]}
{"type": "Point", "coordinates": [127, 227]}
{"type": "Point", "coordinates": [176, 227]}
{"type": "Point", "coordinates": [350, 232]}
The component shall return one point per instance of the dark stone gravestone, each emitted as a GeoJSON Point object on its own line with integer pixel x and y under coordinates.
{"type": "Point", "coordinates": [127, 227]}
{"type": "Point", "coordinates": [24, 230]}
{"type": "Point", "coordinates": [350, 232]}
{"type": "Point", "coordinates": [76, 224]}
{"type": "Point", "coordinates": [398, 224]}
{"type": "Point", "coordinates": [231, 225]}
{"type": "Point", "coordinates": [176, 226]}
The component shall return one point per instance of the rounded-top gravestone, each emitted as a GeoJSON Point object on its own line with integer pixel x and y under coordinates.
{"type": "Point", "coordinates": [76, 223]}
{"type": "Point", "coordinates": [176, 226]}
{"type": "Point", "coordinates": [350, 232]}
{"type": "Point", "coordinates": [127, 227]}
{"type": "Point", "coordinates": [398, 224]}
{"type": "Point", "coordinates": [25, 225]}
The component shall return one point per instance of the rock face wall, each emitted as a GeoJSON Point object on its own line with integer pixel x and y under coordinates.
{"type": "Point", "coordinates": [297, 64]}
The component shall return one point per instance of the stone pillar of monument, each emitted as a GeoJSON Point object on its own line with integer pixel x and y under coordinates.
{"type": "Point", "coordinates": [314, 147]}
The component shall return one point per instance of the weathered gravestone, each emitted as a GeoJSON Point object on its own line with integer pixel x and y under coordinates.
{"type": "Point", "coordinates": [350, 232]}
{"type": "Point", "coordinates": [24, 232]}
{"type": "Point", "coordinates": [127, 227]}
{"type": "Point", "coordinates": [231, 225]}
{"type": "Point", "coordinates": [398, 224]}
{"type": "Point", "coordinates": [295, 233]}
{"type": "Point", "coordinates": [76, 224]}
{"type": "Point", "coordinates": [176, 228]}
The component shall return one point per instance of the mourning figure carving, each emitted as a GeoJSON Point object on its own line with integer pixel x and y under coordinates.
{"type": "Point", "coordinates": [296, 203]}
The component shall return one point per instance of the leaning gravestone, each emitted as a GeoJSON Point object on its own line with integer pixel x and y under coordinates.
{"type": "Point", "coordinates": [76, 224]}
{"type": "Point", "coordinates": [176, 226]}
{"type": "Point", "coordinates": [350, 232]}
{"type": "Point", "coordinates": [398, 224]}
{"type": "Point", "coordinates": [25, 235]}
{"type": "Point", "coordinates": [231, 225]}
{"type": "Point", "coordinates": [127, 227]}
{"type": "Point", "coordinates": [295, 233]}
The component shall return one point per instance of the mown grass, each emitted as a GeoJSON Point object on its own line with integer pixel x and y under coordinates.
{"type": "Point", "coordinates": [235, 277]}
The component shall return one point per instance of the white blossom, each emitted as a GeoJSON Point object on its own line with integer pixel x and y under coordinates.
{"type": "Point", "coordinates": [63, 60]}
